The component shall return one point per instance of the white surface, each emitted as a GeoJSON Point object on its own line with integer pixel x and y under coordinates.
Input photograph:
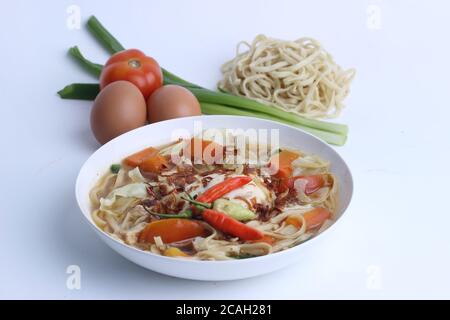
{"type": "Point", "coordinates": [393, 242]}
{"type": "Point", "coordinates": [161, 133]}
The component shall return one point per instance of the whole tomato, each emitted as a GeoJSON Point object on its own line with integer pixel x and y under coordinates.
{"type": "Point", "coordinates": [134, 66]}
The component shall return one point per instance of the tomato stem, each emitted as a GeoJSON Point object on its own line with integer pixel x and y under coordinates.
{"type": "Point", "coordinates": [134, 63]}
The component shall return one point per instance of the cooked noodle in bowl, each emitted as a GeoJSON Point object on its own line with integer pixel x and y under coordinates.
{"type": "Point", "coordinates": [166, 201]}
{"type": "Point", "coordinates": [115, 201]}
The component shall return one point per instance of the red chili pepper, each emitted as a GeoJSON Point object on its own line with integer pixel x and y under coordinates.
{"type": "Point", "coordinates": [223, 188]}
{"type": "Point", "coordinates": [228, 225]}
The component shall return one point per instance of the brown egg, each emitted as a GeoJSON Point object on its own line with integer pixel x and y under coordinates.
{"type": "Point", "coordinates": [171, 101]}
{"type": "Point", "coordinates": [118, 108]}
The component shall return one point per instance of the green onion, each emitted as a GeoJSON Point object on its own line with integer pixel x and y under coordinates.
{"type": "Point", "coordinates": [103, 35]}
{"type": "Point", "coordinates": [115, 168]}
{"type": "Point", "coordinates": [338, 139]}
{"type": "Point", "coordinates": [93, 68]}
{"type": "Point", "coordinates": [80, 91]}
{"type": "Point", "coordinates": [213, 97]}
{"type": "Point", "coordinates": [170, 78]}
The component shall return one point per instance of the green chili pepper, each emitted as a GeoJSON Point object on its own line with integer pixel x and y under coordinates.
{"type": "Point", "coordinates": [183, 215]}
{"type": "Point", "coordinates": [198, 203]}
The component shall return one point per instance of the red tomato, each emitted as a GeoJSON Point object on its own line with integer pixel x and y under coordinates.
{"type": "Point", "coordinates": [134, 66]}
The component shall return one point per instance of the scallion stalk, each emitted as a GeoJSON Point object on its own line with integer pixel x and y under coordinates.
{"type": "Point", "coordinates": [103, 36]}
{"type": "Point", "coordinates": [208, 96]}
{"type": "Point", "coordinates": [94, 68]}
{"type": "Point", "coordinates": [338, 139]}
{"type": "Point", "coordinates": [80, 91]}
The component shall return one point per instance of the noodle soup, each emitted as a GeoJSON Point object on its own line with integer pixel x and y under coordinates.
{"type": "Point", "coordinates": [170, 202]}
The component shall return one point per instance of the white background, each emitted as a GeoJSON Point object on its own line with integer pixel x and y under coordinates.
{"type": "Point", "coordinates": [394, 241]}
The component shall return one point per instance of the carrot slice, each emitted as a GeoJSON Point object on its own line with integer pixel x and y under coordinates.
{"type": "Point", "coordinates": [281, 163]}
{"type": "Point", "coordinates": [293, 221]}
{"type": "Point", "coordinates": [154, 163]}
{"type": "Point", "coordinates": [137, 158]}
{"type": "Point", "coordinates": [205, 150]}
{"type": "Point", "coordinates": [172, 230]}
{"type": "Point", "coordinates": [313, 218]}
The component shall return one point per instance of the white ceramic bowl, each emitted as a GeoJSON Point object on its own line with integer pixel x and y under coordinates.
{"type": "Point", "coordinates": [161, 133]}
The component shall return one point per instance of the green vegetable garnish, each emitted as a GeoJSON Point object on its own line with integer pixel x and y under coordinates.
{"type": "Point", "coordinates": [115, 168]}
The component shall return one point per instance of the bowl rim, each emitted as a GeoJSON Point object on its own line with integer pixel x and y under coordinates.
{"type": "Point", "coordinates": [281, 253]}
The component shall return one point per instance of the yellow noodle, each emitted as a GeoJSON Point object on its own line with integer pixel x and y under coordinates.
{"type": "Point", "coordinates": [297, 76]}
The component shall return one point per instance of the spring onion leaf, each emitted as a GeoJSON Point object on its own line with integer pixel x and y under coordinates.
{"type": "Point", "coordinates": [103, 36]}
{"type": "Point", "coordinates": [94, 68]}
{"type": "Point", "coordinates": [80, 91]}
{"type": "Point", "coordinates": [213, 97]}
{"type": "Point", "coordinates": [338, 139]}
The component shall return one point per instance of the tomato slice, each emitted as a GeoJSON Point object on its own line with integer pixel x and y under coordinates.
{"type": "Point", "coordinates": [281, 163]}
